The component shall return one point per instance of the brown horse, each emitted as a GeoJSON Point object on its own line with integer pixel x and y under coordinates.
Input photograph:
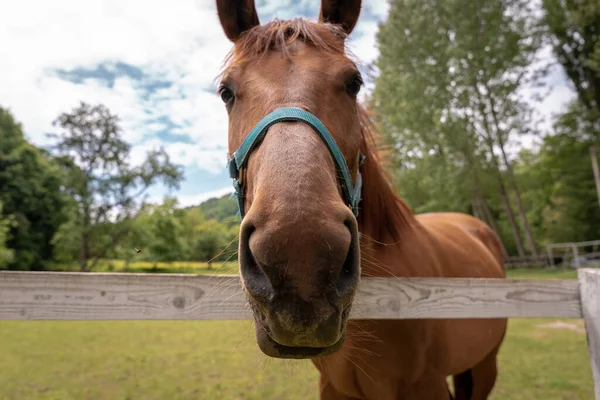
{"type": "Point", "coordinates": [300, 252]}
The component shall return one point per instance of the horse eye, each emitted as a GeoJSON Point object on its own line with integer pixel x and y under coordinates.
{"type": "Point", "coordinates": [226, 94]}
{"type": "Point", "coordinates": [353, 86]}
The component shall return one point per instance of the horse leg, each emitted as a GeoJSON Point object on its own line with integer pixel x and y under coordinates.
{"type": "Point", "coordinates": [477, 382]}
{"type": "Point", "coordinates": [431, 386]}
{"type": "Point", "coordinates": [463, 385]}
{"type": "Point", "coordinates": [328, 392]}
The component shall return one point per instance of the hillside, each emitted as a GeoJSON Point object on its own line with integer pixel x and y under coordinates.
{"type": "Point", "coordinates": [223, 209]}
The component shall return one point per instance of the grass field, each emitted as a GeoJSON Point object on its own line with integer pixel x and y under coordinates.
{"type": "Point", "coordinates": [178, 267]}
{"type": "Point", "coordinates": [190, 267]}
{"type": "Point", "coordinates": [540, 359]}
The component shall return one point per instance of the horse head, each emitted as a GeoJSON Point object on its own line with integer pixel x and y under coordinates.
{"type": "Point", "coordinates": [290, 91]}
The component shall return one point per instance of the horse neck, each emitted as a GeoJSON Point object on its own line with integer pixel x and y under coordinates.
{"type": "Point", "coordinates": [384, 218]}
{"type": "Point", "coordinates": [389, 228]}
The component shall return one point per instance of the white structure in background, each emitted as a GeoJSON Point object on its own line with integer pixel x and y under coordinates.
{"type": "Point", "coordinates": [574, 257]}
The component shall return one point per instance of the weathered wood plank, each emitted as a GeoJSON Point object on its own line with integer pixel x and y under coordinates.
{"type": "Point", "coordinates": [388, 298]}
{"type": "Point", "coordinates": [589, 280]}
{"type": "Point", "coordinates": [113, 296]}
{"type": "Point", "coordinates": [98, 296]}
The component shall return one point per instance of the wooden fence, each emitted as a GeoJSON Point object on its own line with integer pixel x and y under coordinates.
{"type": "Point", "coordinates": [573, 258]}
{"type": "Point", "coordinates": [105, 296]}
{"type": "Point", "coordinates": [527, 261]}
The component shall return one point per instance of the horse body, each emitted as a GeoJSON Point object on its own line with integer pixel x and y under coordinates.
{"type": "Point", "coordinates": [410, 359]}
{"type": "Point", "coordinates": [300, 253]}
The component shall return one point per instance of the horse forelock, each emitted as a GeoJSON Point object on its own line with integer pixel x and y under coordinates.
{"type": "Point", "coordinates": [280, 34]}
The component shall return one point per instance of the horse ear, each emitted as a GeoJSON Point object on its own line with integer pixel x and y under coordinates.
{"type": "Point", "coordinates": [237, 16]}
{"type": "Point", "coordinates": [340, 12]}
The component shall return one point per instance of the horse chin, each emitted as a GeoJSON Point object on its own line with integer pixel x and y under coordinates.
{"type": "Point", "coordinates": [277, 350]}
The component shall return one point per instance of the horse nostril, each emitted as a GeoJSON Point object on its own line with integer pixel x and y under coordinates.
{"type": "Point", "coordinates": [350, 271]}
{"type": "Point", "coordinates": [256, 281]}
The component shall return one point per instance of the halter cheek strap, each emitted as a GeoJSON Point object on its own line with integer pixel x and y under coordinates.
{"type": "Point", "coordinates": [237, 162]}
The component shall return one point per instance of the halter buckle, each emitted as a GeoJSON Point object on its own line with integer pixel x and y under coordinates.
{"type": "Point", "coordinates": [241, 176]}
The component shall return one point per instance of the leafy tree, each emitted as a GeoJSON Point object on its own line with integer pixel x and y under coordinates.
{"type": "Point", "coordinates": [167, 241]}
{"type": "Point", "coordinates": [67, 239]}
{"type": "Point", "coordinates": [573, 28]}
{"type": "Point", "coordinates": [447, 94]}
{"type": "Point", "coordinates": [105, 186]}
{"type": "Point", "coordinates": [30, 191]}
{"type": "Point", "coordinates": [574, 33]}
{"type": "Point", "coordinates": [211, 240]}
{"type": "Point", "coordinates": [560, 182]}
{"type": "Point", "coordinates": [7, 255]}
{"type": "Point", "coordinates": [223, 209]}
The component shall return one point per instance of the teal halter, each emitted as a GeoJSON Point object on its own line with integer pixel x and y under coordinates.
{"type": "Point", "coordinates": [237, 162]}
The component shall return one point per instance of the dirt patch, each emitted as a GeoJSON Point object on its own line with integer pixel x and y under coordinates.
{"type": "Point", "coordinates": [571, 326]}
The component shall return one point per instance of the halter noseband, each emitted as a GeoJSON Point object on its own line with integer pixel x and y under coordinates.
{"type": "Point", "coordinates": [237, 162]}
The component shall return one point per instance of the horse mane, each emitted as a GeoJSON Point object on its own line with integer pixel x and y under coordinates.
{"type": "Point", "coordinates": [279, 34]}
{"type": "Point", "coordinates": [382, 215]}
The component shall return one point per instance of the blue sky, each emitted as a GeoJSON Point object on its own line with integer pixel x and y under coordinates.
{"type": "Point", "coordinates": [154, 64]}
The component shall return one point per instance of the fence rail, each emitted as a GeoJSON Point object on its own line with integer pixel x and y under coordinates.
{"type": "Point", "coordinates": [93, 296]}
{"type": "Point", "coordinates": [527, 261]}
{"type": "Point", "coordinates": [118, 296]}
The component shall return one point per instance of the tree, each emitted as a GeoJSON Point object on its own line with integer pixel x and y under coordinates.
{"type": "Point", "coordinates": [105, 186]}
{"type": "Point", "coordinates": [573, 28]}
{"type": "Point", "coordinates": [451, 95]}
{"type": "Point", "coordinates": [166, 225]}
{"type": "Point", "coordinates": [559, 184]}
{"type": "Point", "coordinates": [30, 191]}
{"type": "Point", "coordinates": [224, 209]}
{"type": "Point", "coordinates": [574, 33]}
{"type": "Point", "coordinates": [7, 255]}
{"type": "Point", "coordinates": [211, 240]}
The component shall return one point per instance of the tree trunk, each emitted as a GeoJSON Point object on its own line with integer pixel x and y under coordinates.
{"type": "Point", "coordinates": [506, 201]}
{"type": "Point", "coordinates": [489, 218]}
{"type": "Point", "coordinates": [84, 252]}
{"type": "Point", "coordinates": [512, 221]}
{"type": "Point", "coordinates": [511, 175]}
{"type": "Point", "coordinates": [503, 193]}
{"type": "Point", "coordinates": [520, 207]}
{"type": "Point", "coordinates": [481, 208]}
{"type": "Point", "coordinates": [594, 159]}
{"type": "Point", "coordinates": [477, 209]}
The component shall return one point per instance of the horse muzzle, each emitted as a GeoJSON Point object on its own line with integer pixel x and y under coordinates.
{"type": "Point", "coordinates": [287, 334]}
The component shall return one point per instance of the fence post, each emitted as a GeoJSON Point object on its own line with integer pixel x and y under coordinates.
{"type": "Point", "coordinates": [589, 281]}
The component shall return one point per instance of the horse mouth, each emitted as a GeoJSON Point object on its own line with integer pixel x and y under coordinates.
{"type": "Point", "coordinates": [270, 347]}
{"type": "Point", "coordinates": [274, 349]}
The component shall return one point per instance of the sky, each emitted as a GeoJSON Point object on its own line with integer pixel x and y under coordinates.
{"type": "Point", "coordinates": [153, 63]}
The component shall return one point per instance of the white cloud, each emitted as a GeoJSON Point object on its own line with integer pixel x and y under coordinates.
{"type": "Point", "coordinates": [363, 42]}
{"type": "Point", "coordinates": [186, 154]}
{"type": "Point", "coordinates": [193, 200]}
{"type": "Point", "coordinates": [181, 42]}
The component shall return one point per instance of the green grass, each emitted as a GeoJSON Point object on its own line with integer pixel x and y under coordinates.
{"type": "Point", "coordinates": [143, 360]}
{"type": "Point", "coordinates": [534, 273]}
{"type": "Point", "coordinates": [540, 359]}
{"type": "Point", "coordinates": [177, 267]}
{"type": "Point", "coordinates": [230, 267]}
